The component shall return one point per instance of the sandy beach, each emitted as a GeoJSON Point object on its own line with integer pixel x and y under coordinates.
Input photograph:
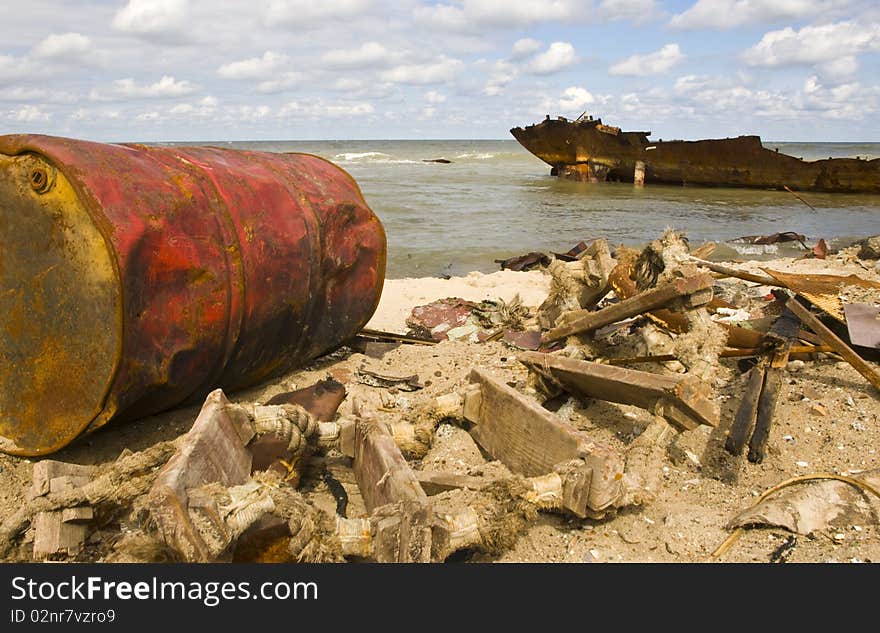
{"type": "Point", "coordinates": [826, 421]}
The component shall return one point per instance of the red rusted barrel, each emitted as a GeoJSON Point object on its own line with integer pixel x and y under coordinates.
{"type": "Point", "coordinates": [133, 278]}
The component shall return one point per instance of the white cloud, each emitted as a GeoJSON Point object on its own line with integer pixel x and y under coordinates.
{"type": "Point", "coordinates": [321, 109]}
{"type": "Point", "coordinates": [432, 96]}
{"type": "Point", "coordinates": [726, 14]}
{"type": "Point", "coordinates": [153, 17]}
{"type": "Point", "coordinates": [524, 47]}
{"type": "Point", "coordinates": [560, 55]}
{"type": "Point", "coordinates": [307, 12]}
{"type": "Point", "coordinates": [501, 74]}
{"type": "Point", "coordinates": [502, 13]}
{"type": "Point", "coordinates": [822, 44]}
{"type": "Point", "coordinates": [368, 54]}
{"type": "Point", "coordinates": [27, 114]}
{"type": "Point", "coordinates": [256, 67]}
{"type": "Point", "coordinates": [65, 46]}
{"type": "Point", "coordinates": [654, 63]}
{"type": "Point", "coordinates": [166, 87]}
{"type": "Point", "coordinates": [575, 98]}
{"type": "Point", "coordinates": [284, 81]}
{"type": "Point", "coordinates": [638, 11]}
{"type": "Point", "coordinates": [206, 106]}
{"type": "Point", "coordinates": [21, 93]}
{"type": "Point", "coordinates": [443, 70]}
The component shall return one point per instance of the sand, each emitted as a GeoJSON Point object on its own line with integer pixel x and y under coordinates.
{"type": "Point", "coordinates": [827, 420]}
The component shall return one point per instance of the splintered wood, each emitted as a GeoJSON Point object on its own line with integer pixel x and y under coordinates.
{"type": "Point", "coordinates": [684, 401]}
{"type": "Point", "coordinates": [694, 291]}
{"type": "Point", "coordinates": [60, 531]}
{"type": "Point", "coordinates": [533, 441]}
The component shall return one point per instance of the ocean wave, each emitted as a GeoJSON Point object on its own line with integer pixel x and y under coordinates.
{"type": "Point", "coordinates": [353, 156]}
{"type": "Point", "coordinates": [477, 155]}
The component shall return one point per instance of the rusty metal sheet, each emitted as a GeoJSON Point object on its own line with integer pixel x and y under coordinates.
{"type": "Point", "coordinates": [863, 324]}
{"type": "Point", "coordinates": [823, 291]}
{"type": "Point", "coordinates": [133, 278]}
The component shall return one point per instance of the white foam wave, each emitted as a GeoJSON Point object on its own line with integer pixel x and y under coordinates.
{"type": "Point", "coordinates": [353, 156]}
{"type": "Point", "coordinates": [755, 249]}
{"type": "Point", "coordinates": [477, 155]}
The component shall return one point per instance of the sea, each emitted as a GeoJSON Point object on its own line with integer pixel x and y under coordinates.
{"type": "Point", "coordinates": [495, 200]}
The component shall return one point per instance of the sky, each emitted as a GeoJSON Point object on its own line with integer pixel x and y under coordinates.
{"type": "Point", "coordinates": [199, 70]}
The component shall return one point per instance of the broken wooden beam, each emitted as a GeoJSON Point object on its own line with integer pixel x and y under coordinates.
{"type": "Point", "coordinates": [831, 339]}
{"type": "Point", "coordinates": [381, 472]}
{"type": "Point", "coordinates": [214, 450]}
{"type": "Point", "coordinates": [434, 482]}
{"type": "Point", "coordinates": [698, 288]}
{"type": "Point", "coordinates": [796, 350]}
{"type": "Point", "coordinates": [747, 411]}
{"type": "Point", "coordinates": [684, 401]}
{"type": "Point", "coordinates": [782, 334]}
{"type": "Point", "coordinates": [533, 441]}
{"type": "Point", "coordinates": [764, 280]}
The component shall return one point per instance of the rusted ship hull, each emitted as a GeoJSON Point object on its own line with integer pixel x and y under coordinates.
{"type": "Point", "coordinates": [588, 150]}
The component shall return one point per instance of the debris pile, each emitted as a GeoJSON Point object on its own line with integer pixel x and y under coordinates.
{"type": "Point", "coordinates": [636, 362]}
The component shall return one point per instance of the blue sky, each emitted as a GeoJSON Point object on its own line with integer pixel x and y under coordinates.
{"type": "Point", "coordinates": [151, 70]}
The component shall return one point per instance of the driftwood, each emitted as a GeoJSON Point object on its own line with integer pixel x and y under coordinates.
{"type": "Point", "coordinates": [683, 401]}
{"type": "Point", "coordinates": [747, 410]}
{"type": "Point", "coordinates": [782, 333]}
{"type": "Point", "coordinates": [831, 339]}
{"type": "Point", "coordinates": [533, 441]}
{"type": "Point", "coordinates": [624, 287]}
{"type": "Point", "coordinates": [694, 291]}
{"type": "Point", "coordinates": [212, 452]}
{"type": "Point", "coordinates": [116, 486]}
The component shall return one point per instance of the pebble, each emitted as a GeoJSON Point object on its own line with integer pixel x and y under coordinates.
{"type": "Point", "coordinates": [802, 464]}
{"type": "Point", "coordinates": [796, 365]}
{"type": "Point", "coordinates": [819, 410]}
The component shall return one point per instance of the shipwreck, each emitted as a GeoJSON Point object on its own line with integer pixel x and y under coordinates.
{"type": "Point", "coordinates": [588, 150]}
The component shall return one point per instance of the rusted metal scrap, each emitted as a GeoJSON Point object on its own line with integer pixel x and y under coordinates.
{"type": "Point", "coordinates": [524, 262]}
{"type": "Point", "coordinates": [137, 277]}
{"type": "Point", "coordinates": [863, 324]}
{"type": "Point", "coordinates": [823, 291]}
{"type": "Point", "coordinates": [587, 150]}
{"type": "Point", "coordinates": [774, 238]}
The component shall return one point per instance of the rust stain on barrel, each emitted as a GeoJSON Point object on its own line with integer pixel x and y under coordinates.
{"type": "Point", "coordinates": [141, 277]}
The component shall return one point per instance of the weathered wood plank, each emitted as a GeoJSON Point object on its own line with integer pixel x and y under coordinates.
{"type": "Point", "coordinates": [636, 305]}
{"type": "Point", "coordinates": [213, 451]}
{"type": "Point", "coordinates": [48, 469]}
{"type": "Point", "coordinates": [831, 339]}
{"type": "Point", "coordinates": [382, 473]}
{"type": "Point", "coordinates": [683, 401]}
{"type": "Point", "coordinates": [533, 441]}
{"type": "Point", "coordinates": [434, 482]}
{"type": "Point", "coordinates": [747, 411]}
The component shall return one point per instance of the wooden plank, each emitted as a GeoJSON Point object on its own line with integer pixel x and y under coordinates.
{"type": "Point", "coordinates": [764, 280]}
{"type": "Point", "coordinates": [533, 441]}
{"type": "Point", "coordinates": [212, 451]}
{"type": "Point", "coordinates": [639, 304]}
{"type": "Point", "coordinates": [683, 401]}
{"type": "Point", "coordinates": [727, 353]}
{"type": "Point", "coordinates": [783, 333]}
{"type": "Point", "coordinates": [434, 481]}
{"type": "Point", "coordinates": [747, 411]}
{"type": "Point", "coordinates": [53, 536]}
{"type": "Point", "coordinates": [381, 472]}
{"type": "Point", "coordinates": [48, 469]}
{"type": "Point", "coordinates": [831, 339]}
{"type": "Point", "coordinates": [79, 514]}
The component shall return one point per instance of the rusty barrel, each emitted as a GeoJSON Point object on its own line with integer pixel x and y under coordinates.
{"type": "Point", "coordinates": [134, 278]}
